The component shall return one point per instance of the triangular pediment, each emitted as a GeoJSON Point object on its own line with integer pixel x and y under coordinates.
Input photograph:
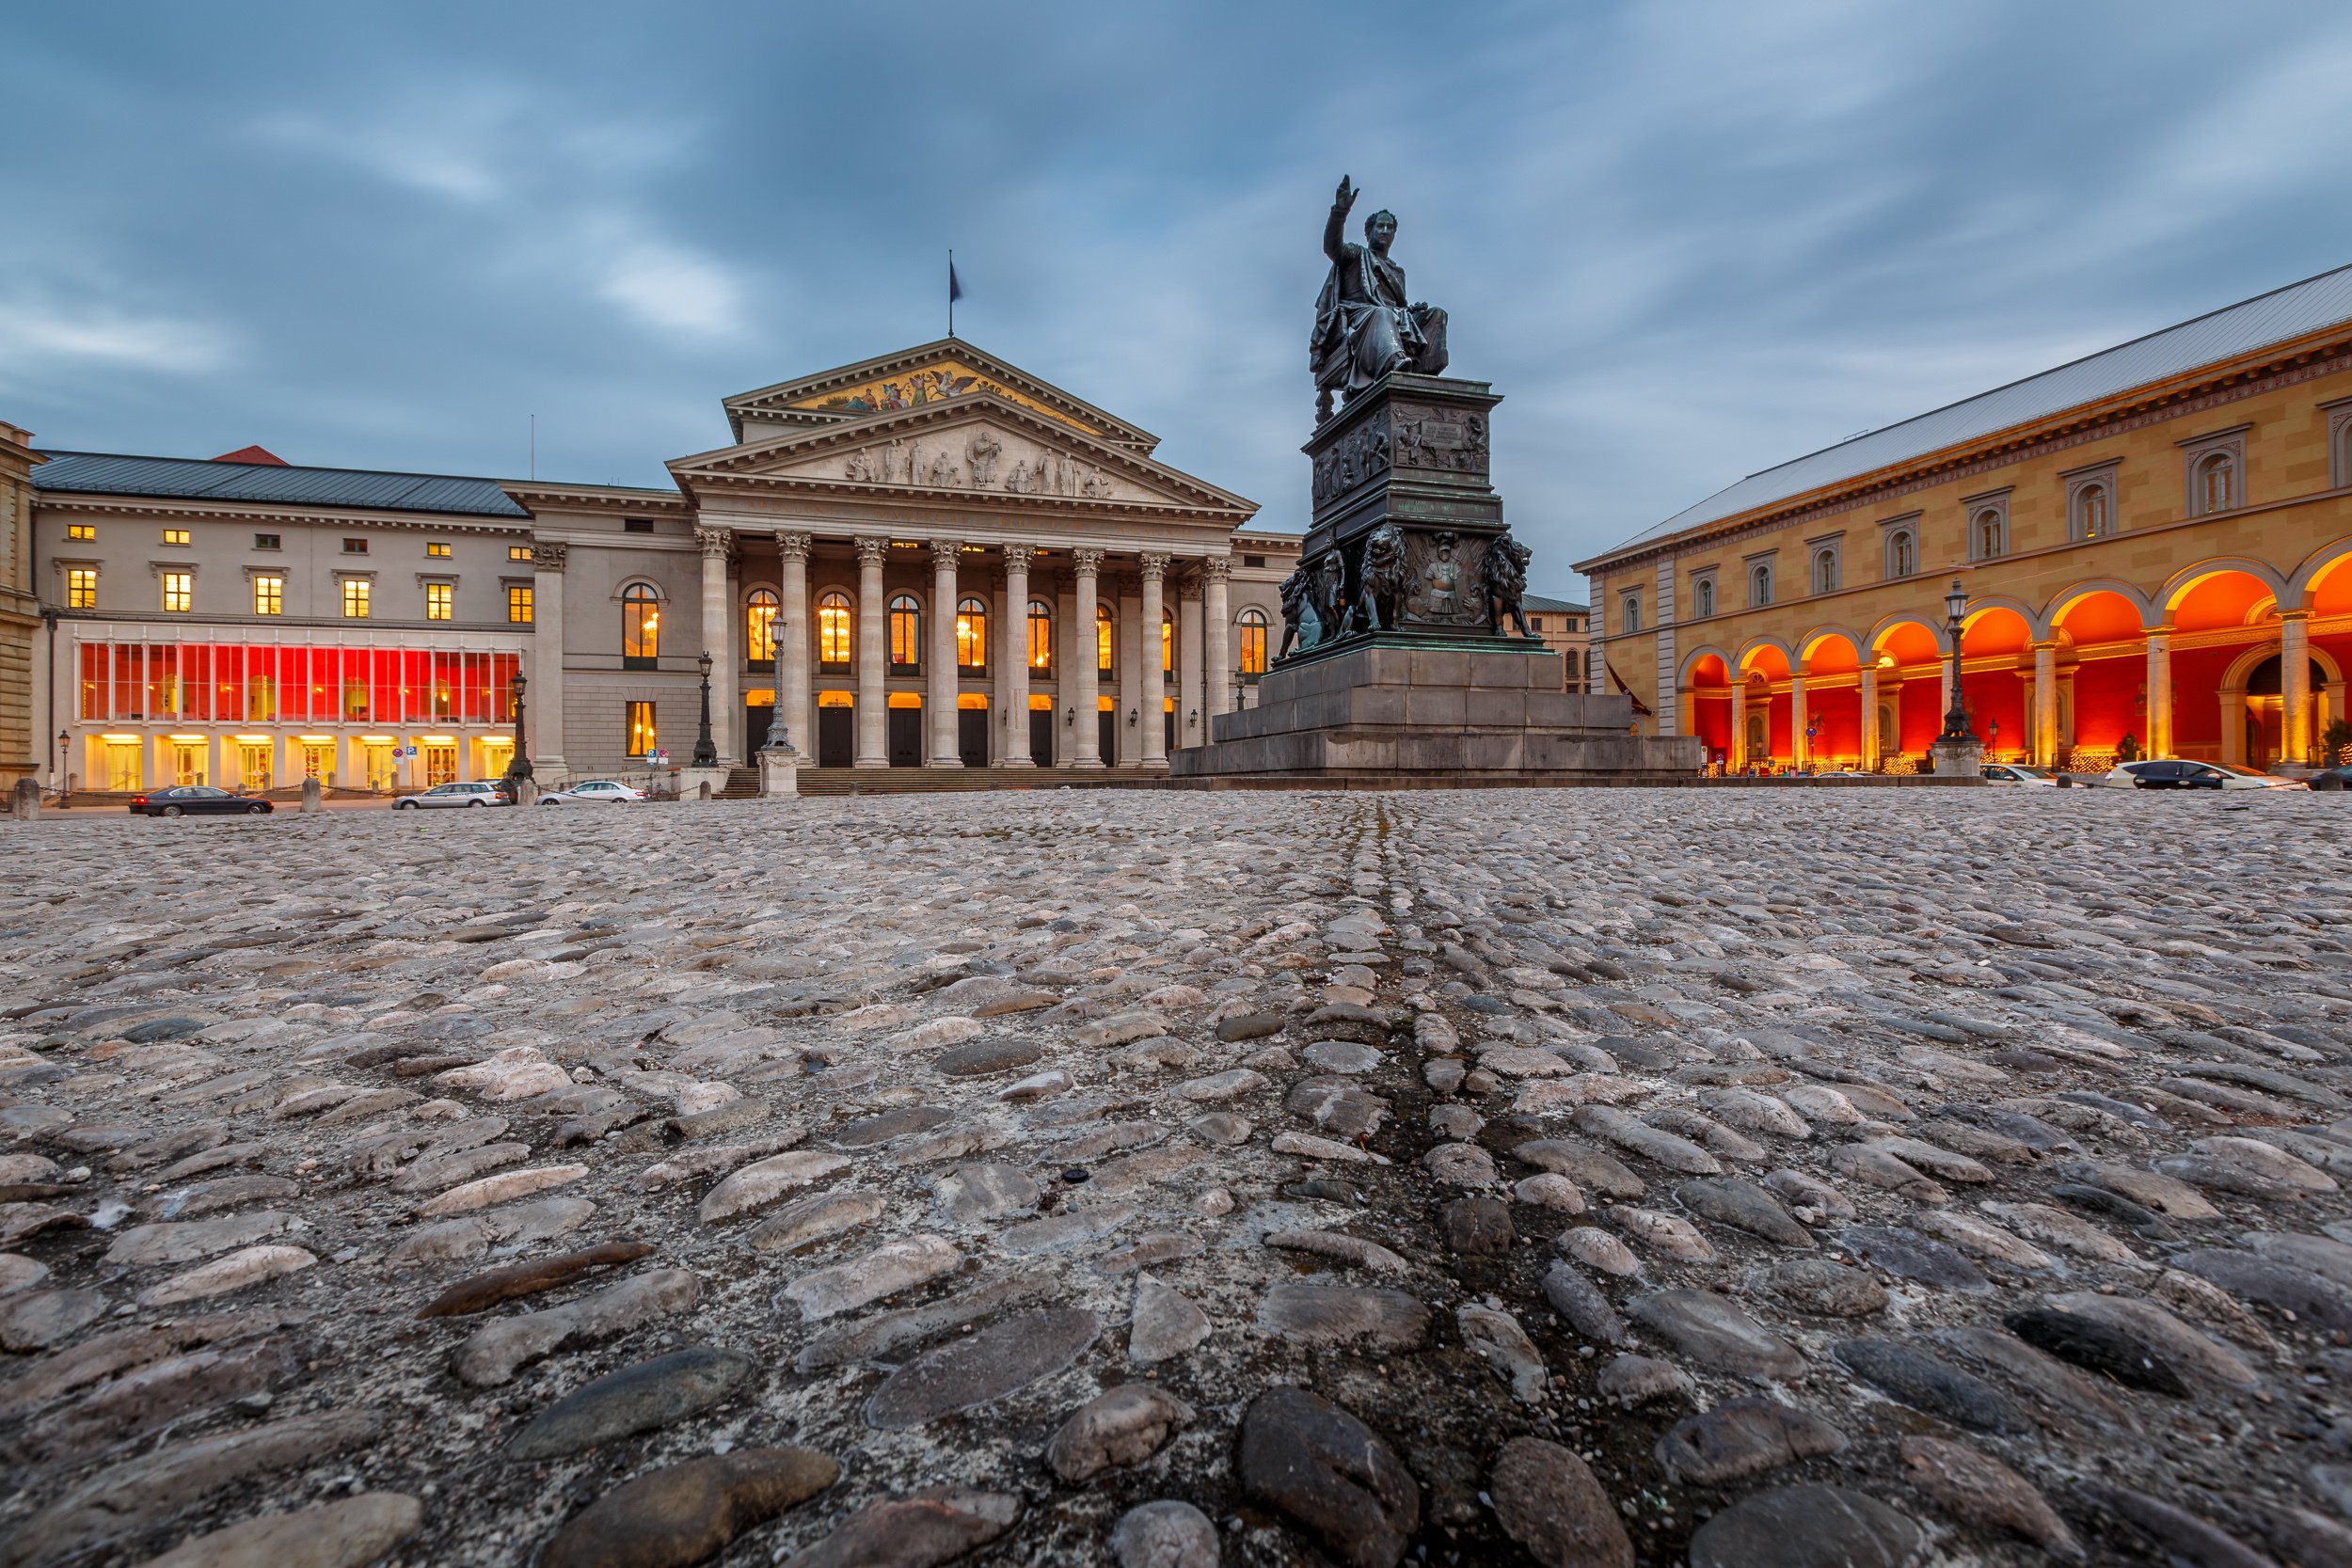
{"type": "Point", "coordinates": [976, 444]}
{"type": "Point", "coordinates": [935, 372]}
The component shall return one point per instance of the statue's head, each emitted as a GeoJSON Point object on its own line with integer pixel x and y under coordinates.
{"type": "Point", "coordinates": [1381, 228]}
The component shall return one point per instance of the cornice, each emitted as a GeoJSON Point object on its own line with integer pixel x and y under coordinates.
{"type": "Point", "coordinates": [596, 499]}
{"type": "Point", "coordinates": [139, 506]}
{"type": "Point", "coordinates": [779, 397]}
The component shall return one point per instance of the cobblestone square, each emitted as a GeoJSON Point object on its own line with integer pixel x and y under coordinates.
{"type": "Point", "coordinates": [1589, 1177]}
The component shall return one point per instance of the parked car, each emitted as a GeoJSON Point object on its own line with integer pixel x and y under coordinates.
{"type": "Point", "coordinates": [2017, 773]}
{"type": "Point", "coordinates": [2179, 773]}
{"type": "Point", "coordinates": [473, 792]}
{"type": "Point", "coordinates": [1844, 773]}
{"type": "Point", "coordinates": [595, 789]}
{"type": "Point", "coordinates": [197, 801]}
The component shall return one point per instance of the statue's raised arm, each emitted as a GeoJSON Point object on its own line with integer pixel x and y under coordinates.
{"type": "Point", "coordinates": [1365, 324]}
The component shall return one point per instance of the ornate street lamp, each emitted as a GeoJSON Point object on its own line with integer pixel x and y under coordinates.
{"type": "Point", "coordinates": [705, 751]}
{"type": "Point", "coordinates": [518, 766]}
{"type": "Point", "coordinates": [1955, 717]}
{"type": "Point", "coordinates": [64, 741]}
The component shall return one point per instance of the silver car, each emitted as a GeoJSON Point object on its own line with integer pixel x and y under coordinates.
{"type": "Point", "coordinates": [595, 789]}
{"type": "Point", "coordinates": [475, 792]}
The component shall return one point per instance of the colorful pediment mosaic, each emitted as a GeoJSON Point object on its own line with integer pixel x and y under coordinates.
{"type": "Point", "coordinates": [931, 384]}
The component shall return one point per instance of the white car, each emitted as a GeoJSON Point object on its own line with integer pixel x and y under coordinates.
{"type": "Point", "coordinates": [2179, 773]}
{"type": "Point", "coordinates": [2017, 773]}
{"type": "Point", "coordinates": [477, 792]}
{"type": "Point", "coordinates": [595, 789]}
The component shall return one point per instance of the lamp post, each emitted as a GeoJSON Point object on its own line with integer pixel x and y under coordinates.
{"type": "Point", "coordinates": [518, 766]}
{"type": "Point", "coordinates": [1955, 717]}
{"type": "Point", "coordinates": [705, 751]}
{"type": "Point", "coordinates": [64, 741]}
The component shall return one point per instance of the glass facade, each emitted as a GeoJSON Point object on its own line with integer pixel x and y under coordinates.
{"type": "Point", "coordinates": [232, 683]}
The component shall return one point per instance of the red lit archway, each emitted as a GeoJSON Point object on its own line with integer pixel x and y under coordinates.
{"type": "Point", "coordinates": [1709, 684]}
{"type": "Point", "coordinates": [2222, 599]}
{"type": "Point", "coordinates": [2103, 635]}
{"type": "Point", "coordinates": [1997, 678]}
{"type": "Point", "coordinates": [1764, 670]}
{"type": "Point", "coordinates": [1909, 657]}
{"type": "Point", "coordinates": [1832, 664]}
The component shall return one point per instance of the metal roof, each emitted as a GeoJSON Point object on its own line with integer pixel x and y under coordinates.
{"type": "Point", "coordinates": [1557, 607]}
{"type": "Point", "coordinates": [2223, 334]}
{"type": "Point", "coordinates": [199, 478]}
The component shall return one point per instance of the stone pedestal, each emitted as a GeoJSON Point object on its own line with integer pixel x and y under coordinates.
{"type": "Point", "coordinates": [310, 795]}
{"type": "Point", "coordinates": [779, 773]}
{"type": "Point", "coordinates": [1958, 759]}
{"type": "Point", "coordinates": [701, 783]}
{"type": "Point", "coordinates": [24, 804]}
{"type": "Point", "coordinates": [1408, 707]}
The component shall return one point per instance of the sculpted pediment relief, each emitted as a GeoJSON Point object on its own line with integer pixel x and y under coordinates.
{"type": "Point", "coordinates": [928, 384]}
{"type": "Point", "coordinates": [981, 457]}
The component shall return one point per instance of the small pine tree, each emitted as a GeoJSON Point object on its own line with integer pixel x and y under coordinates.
{"type": "Point", "coordinates": [2127, 749]}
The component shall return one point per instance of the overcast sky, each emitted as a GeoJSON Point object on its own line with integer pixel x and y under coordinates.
{"type": "Point", "coordinates": [1686, 242]}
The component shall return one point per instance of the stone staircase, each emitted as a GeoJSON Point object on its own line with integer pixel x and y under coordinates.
{"type": "Point", "coordinates": [929, 781]}
{"type": "Point", "coordinates": [742, 784]}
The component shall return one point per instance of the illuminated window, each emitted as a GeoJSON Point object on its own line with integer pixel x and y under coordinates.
{"type": "Point", "coordinates": [440, 601]}
{"type": "Point", "coordinates": [356, 592]}
{"type": "Point", "coordinates": [175, 536]}
{"type": "Point", "coordinates": [640, 627]}
{"type": "Point", "coordinates": [1168, 644]}
{"type": "Point", "coordinates": [2216, 483]}
{"type": "Point", "coordinates": [1041, 636]}
{"type": "Point", "coordinates": [906, 636]}
{"type": "Point", "coordinates": [1988, 534]}
{"type": "Point", "coordinates": [835, 626]}
{"type": "Point", "coordinates": [178, 591]}
{"type": "Point", "coordinates": [518, 604]}
{"type": "Point", "coordinates": [81, 588]}
{"type": "Point", "coordinates": [759, 626]}
{"type": "Point", "coordinates": [1106, 639]}
{"type": "Point", "coordinates": [437, 553]}
{"type": "Point", "coordinates": [972, 635]}
{"type": "Point", "coordinates": [269, 595]}
{"type": "Point", "coordinates": [1253, 629]}
{"type": "Point", "coordinates": [1826, 570]}
{"type": "Point", "coordinates": [81, 531]}
{"type": "Point", "coordinates": [519, 552]}
{"type": "Point", "coordinates": [2090, 513]}
{"type": "Point", "coordinates": [1902, 553]}
{"type": "Point", "coordinates": [1759, 585]}
{"type": "Point", "coordinates": [640, 719]}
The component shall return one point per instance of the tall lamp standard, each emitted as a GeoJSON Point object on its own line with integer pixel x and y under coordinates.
{"type": "Point", "coordinates": [518, 766]}
{"type": "Point", "coordinates": [1955, 717]}
{"type": "Point", "coordinates": [64, 741]}
{"type": "Point", "coordinates": [705, 750]}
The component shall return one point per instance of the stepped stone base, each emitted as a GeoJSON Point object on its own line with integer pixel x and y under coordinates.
{"type": "Point", "coordinates": [1400, 705]}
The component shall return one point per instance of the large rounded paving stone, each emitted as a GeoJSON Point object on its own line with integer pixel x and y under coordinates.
{"type": "Point", "coordinates": [1549, 1503]}
{"type": "Point", "coordinates": [1921, 1381]}
{"type": "Point", "coordinates": [1807, 1526]}
{"type": "Point", "coordinates": [1743, 1438]}
{"type": "Point", "coordinates": [346, 1535]}
{"type": "Point", "coordinates": [635, 1399]}
{"type": "Point", "coordinates": [1164, 1534]}
{"type": "Point", "coordinates": [1321, 1466]}
{"type": "Point", "coordinates": [1826, 1289]}
{"type": "Point", "coordinates": [683, 1514]}
{"type": "Point", "coordinates": [973, 1371]}
{"type": "Point", "coordinates": [1911, 1256]}
{"type": "Point", "coordinates": [1709, 1330]}
{"type": "Point", "coordinates": [936, 1524]}
{"type": "Point", "coordinates": [1324, 1315]}
{"type": "Point", "coordinates": [979, 1058]}
{"type": "Point", "coordinates": [1341, 1056]}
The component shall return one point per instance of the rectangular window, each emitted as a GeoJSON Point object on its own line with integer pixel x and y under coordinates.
{"type": "Point", "coordinates": [178, 591]}
{"type": "Point", "coordinates": [81, 588]}
{"type": "Point", "coordinates": [440, 601]}
{"type": "Point", "coordinates": [175, 536]}
{"type": "Point", "coordinates": [636, 525]}
{"type": "Point", "coordinates": [437, 553]}
{"type": "Point", "coordinates": [269, 595]}
{"type": "Point", "coordinates": [355, 546]}
{"type": "Point", "coordinates": [266, 541]}
{"type": "Point", "coordinates": [640, 719]}
{"type": "Point", "coordinates": [519, 604]}
{"type": "Point", "coordinates": [356, 592]}
{"type": "Point", "coordinates": [519, 552]}
{"type": "Point", "coordinates": [81, 531]}
{"type": "Point", "coordinates": [1257, 562]}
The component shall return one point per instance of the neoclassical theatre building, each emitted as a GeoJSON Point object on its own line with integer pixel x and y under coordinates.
{"type": "Point", "coordinates": [2155, 543]}
{"type": "Point", "coordinates": [931, 559]}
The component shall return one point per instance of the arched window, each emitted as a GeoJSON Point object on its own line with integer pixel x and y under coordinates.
{"type": "Point", "coordinates": [1168, 644]}
{"type": "Point", "coordinates": [1572, 668]}
{"type": "Point", "coordinates": [1629, 613]}
{"type": "Point", "coordinates": [972, 635]}
{"type": "Point", "coordinates": [759, 627]}
{"type": "Point", "coordinates": [833, 631]}
{"type": "Point", "coordinates": [1106, 639]}
{"type": "Point", "coordinates": [1902, 553]}
{"type": "Point", "coordinates": [1760, 583]}
{"type": "Point", "coordinates": [1702, 598]}
{"type": "Point", "coordinates": [640, 627]}
{"type": "Point", "coordinates": [1041, 636]}
{"type": "Point", "coordinates": [1252, 625]}
{"type": "Point", "coordinates": [1826, 570]}
{"type": "Point", "coordinates": [1989, 532]}
{"type": "Point", "coordinates": [906, 636]}
{"type": "Point", "coordinates": [2090, 513]}
{"type": "Point", "coordinates": [2216, 483]}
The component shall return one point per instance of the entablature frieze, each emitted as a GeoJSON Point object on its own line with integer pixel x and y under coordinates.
{"type": "Point", "coordinates": [50, 505]}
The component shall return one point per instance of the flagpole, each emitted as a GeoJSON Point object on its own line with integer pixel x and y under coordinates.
{"type": "Point", "coordinates": [951, 291]}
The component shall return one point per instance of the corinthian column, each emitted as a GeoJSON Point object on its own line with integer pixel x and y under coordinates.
{"type": "Point", "coordinates": [942, 697]}
{"type": "Point", "coordinates": [1012, 676]}
{"type": "Point", "coordinates": [1189, 702]}
{"type": "Point", "coordinates": [546, 661]}
{"type": "Point", "coordinates": [1151, 680]}
{"type": "Point", "coordinates": [1216, 639]}
{"type": "Point", "coordinates": [791, 639]}
{"type": "Point", "coordinates": [873, 691]}
{"type": "Point", "coordinates": [726, 702]}
{"type": "Point", "coordinates": [1079, 675]}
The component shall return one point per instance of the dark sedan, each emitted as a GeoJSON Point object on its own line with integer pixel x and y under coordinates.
{"type": "Point", "coordinates": [197, 801]}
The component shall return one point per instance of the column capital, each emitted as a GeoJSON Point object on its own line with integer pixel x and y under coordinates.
{"type": "Point", "coordinates": [870, 551]}
{"type": "Point", "coordinates": [1086, 564]}
{"type": "Point", "coordinates": [2043, 644]}
{"type": "Point", "coordinates": [1017, 557]}
{"type": "Point", "coordinates": [793, 546]}
{"type": "Point", "coordinates": [2160, 634]}
{"type": "Point", "coordinates": [713, 540]}
{"type": "Point", "coordinates": [945, 551]}
{"type": "Point", "coordinates": [547, 555]}
{"type": "Point", "coordinates": [1217, 568]}
{"type": "Point", "coordinates": [1153, 564]}
{"type": "Point", "coordinates": [2296, 616]}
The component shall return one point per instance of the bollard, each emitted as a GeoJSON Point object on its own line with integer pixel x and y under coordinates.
{"type": "Point", "coordinates": [25, 804]}
{"type": "Point", "coordinates": [310, 795]}
{"type": "Point", "coordinates": [526, 792]}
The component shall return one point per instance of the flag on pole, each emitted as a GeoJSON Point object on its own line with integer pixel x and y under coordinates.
{"type": "Point", "coordinates": [955, 292]}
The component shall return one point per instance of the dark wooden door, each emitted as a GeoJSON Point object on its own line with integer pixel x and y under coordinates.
{"type": "Point", "coordinates": [1106, 736]}
{"type": "Point", "coordinates": [906, 738]}
{"type": "Point", "coordinates": [757, 717]}
{"type": "Point", "coordinates": [836, 737]}
{"type": "Point", "coordinates": [1169, 728]}
{"type": "Point", "coordinates": [971, 735]}
{"type": "Point", "coordinates": [1042, 738]}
